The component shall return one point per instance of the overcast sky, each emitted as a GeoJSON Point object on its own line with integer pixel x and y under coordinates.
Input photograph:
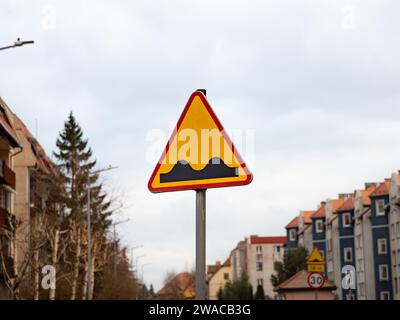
{"type": "Point", "coordinates": [317, 82]}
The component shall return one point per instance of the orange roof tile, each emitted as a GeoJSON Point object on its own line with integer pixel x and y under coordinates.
{"type": "Point", "coordinates": [365, 194]}
{"type": "Point", "coordinates": [347, 205]}
{"type": "Point", "coordinates": [336, 203]}
{"type": "Point", "coordinates": [294, 223]}
{"type": "Point", "coordinates": [42, 160]}
{"type": "Point", "coordinates": [307, 216]}
{"type": "Point", "coordinates": [181, 281]}
{"type": "Point", "coordinates": [320, 213]}
{"type": "Point", "coordinates": [382, 189]}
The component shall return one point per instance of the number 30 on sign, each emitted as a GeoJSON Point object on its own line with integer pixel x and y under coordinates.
{"type": "Point", "coordinates": [315, 280]}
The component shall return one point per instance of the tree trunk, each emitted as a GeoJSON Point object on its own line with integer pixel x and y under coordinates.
{"type": "Point", "coordinates": [52, 293]}
{"type": "Point", "coordinates": [36, 287]}
{"type": "Point", "coordinates": [85, 282]}
{"type": "Point", "coordinates": [93, 269]}
{"type": "Point", "coordinates": [75, 275]}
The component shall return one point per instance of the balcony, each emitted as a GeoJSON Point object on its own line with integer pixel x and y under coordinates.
{"type": "Point", "coordinates": [7, 176]}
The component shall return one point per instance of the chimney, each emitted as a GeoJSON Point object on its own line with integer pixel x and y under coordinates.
{"type": "Point", "coordinates": [370, 184]}
{"type": "Point", "coordinates": [218, 263]}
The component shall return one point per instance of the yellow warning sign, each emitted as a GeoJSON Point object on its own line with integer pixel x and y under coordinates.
{"type": "Point", "coordinates": [199, 154]}
{"type": "Point", "coordinates": [315, 262]}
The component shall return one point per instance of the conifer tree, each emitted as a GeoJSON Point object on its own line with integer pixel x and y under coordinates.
{"type": "Point", "coordinates": [74, 159]}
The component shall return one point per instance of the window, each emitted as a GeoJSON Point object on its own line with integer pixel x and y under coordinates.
{"type": "Point", "coordinates": [398, 257]}
{"type": "Point", "coordinates": [383, 272]}
{"type": "Point", "coordinates": [258, 249]}
{"type": "Point", "coordinates": [292, 234]}
{"type": "Point", "coordinates": [259, 266]}
{"type": "Point", "coordinates": [380, 207]}
{"type": "Point", "coordinates": [226, 276]}
{"type": "Point", "coordinates": [319, 226]}
{"type": "Point", "coordinates": [277, 249]}
{"type": "Point", "coordinates": [348, 254]}
{"type": "Point", "coordinates": [260, 282]}
{"type": "Point", "coordinates": [398, 229]}
{"type": "Point", "coordinates": [346, 219]}
{"type": "Point", "coordinates": [382, 246]}
{"type": "Point", "coordinates": [385, 295]}
{"type": "Point", "coordinates": [392, 231]}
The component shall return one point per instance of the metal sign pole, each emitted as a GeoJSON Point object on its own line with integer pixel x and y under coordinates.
{"type": "Point", "coordinates": [200, 244]}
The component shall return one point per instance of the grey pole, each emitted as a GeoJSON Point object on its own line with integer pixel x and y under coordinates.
{"type": "Point", "coordinates": [201, 239]}
{"type": "Point", "coordinates": [200, 244]}
{"type": "Point", "coordinates": [89, 236]}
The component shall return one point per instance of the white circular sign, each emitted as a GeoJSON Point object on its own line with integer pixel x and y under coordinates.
{"type": "Point", "coordinates": [315, 280]}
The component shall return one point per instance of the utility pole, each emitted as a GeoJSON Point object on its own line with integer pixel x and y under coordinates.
{"type": "Point", "coordinates": [89, 230]}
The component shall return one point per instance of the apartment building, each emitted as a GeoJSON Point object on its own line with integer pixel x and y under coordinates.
{"type": "Point", "coordinates": [381, 243]}
{"type": "Point", "coordinates": [238, 260]}
{"type": "Point", "coordinates": [394, 228]}
{"type": "Point", "coordinates": [292, 231]}
{"type": "Point", "coordinates": [262, 253]}
{"type": "Point", "coordinates": [319, 229]}
{"type": "Point", "coordinates": [9, 147]}
{"type": "Point", "coordinates": [20, 155]}
{"type": "Point", "coordinates": [304, 237]}
{"type": "Point", "coordinates": [365, 279]}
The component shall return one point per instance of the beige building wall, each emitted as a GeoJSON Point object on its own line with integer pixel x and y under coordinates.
{"type": "Point", "coordinates": [268, 255]}
{"type": "Point", "coordinates": [238, 261]}
{"type": "Point", "coordinates": [305, 233]}
{"type": "Point", "coordinates": [217, 281]}
{"type": "Point", "coordinates": [363, 250]}
{"type": "Point", "coordinates": [23, 161]}
{"type": "Point", "coordinates": [394, 227]}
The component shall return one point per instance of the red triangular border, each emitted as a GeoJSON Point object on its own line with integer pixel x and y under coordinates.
{"type": "Point", "coordinates": [226, 137]}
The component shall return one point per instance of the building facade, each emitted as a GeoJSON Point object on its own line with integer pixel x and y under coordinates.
{"type": "Point", "coordinates": [217, 276]}
{"type": "Point", "coordinates": [262, 253]}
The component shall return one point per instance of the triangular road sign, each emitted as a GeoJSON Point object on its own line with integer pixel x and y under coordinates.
{"type": "Point", "coordinates": [315, 257]}
{"type": "Point", "coordinates": [199, 154]}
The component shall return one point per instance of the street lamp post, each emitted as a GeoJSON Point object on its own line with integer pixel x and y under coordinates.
{"type": "Point", "coordinates": [89, 232]}
{"type": "Point", "coordinates": [18, 43]}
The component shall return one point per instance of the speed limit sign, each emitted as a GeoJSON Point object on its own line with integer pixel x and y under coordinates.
{"type": "Point", "coordinates": [315, 280]}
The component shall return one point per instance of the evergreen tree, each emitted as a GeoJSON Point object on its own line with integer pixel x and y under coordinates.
{"type": "Point", "coordinates": [151, 292]}
{"type": "Point", "coordinates": [220, 293]}
{"type": "Point", "coordinates": [75, 164]}
{"type": "Point", "coordinates": [74, 159]}
{"type": "Point", "coordinates": [260, 295]}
